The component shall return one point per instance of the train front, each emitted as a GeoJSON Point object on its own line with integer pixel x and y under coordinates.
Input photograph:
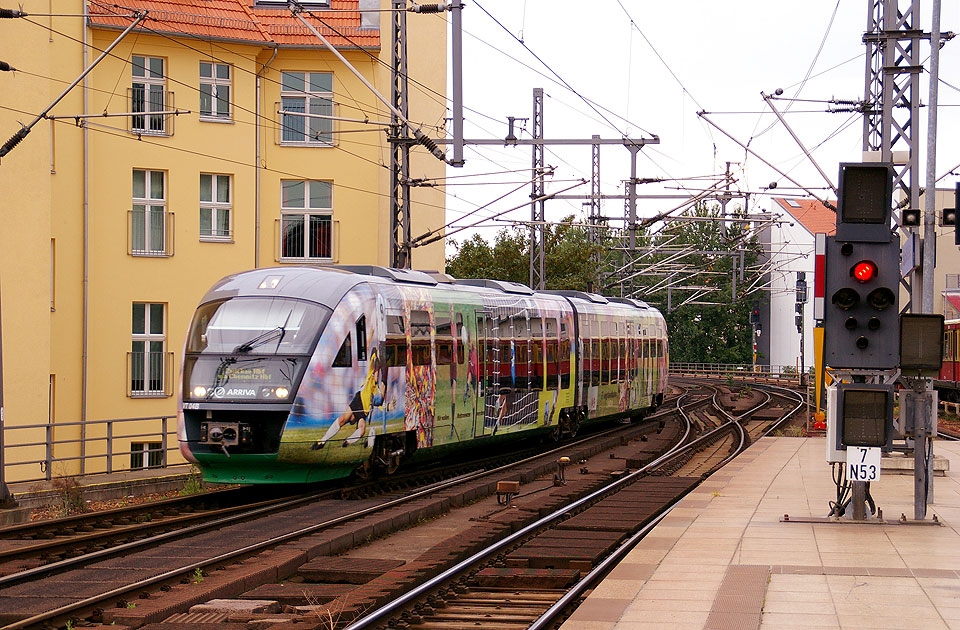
{"type": "Point", "coordinates": [245, 354]}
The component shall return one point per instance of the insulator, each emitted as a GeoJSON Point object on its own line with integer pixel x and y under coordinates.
{"type": "Point", "coordinates": [6, 67]}
{"type": "Point", "coordinates": [12, 13]}
{"type": "Point", "coordinates": [429, 8]}
{"type": "Point", "coordinates": [428, 142]}
{"type": "Point", "coordinates": [13, 141]}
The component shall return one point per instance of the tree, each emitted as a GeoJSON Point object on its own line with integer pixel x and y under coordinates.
{"type": "Point", "coordinates": [569, 256]}
{"type": "Point", "coordinates": [719, 332]}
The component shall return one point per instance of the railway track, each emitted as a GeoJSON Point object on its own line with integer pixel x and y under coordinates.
{"type": "Point", "coordinates": [171, 560]}
{"type": "Point", "coordinates": [532, 577]}
{"type": "Point", "coordinates": [214, 564]}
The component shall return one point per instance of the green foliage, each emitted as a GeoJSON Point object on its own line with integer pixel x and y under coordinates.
{"type": "Point", "coordinates": [197, 575]}
{"type": "Point", "coordinates": [69, 495]}
{"type": "Point", "coordinates": [720, 331]}
{"type": "Point", "coordinates": [193, 484]}
{"type": "Point", "coordinates": [569, 257]}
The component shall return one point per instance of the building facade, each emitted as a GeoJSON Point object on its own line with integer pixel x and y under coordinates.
{"type": "Point", "coordinates": [789, 243]}
{"type": "Point", "coordinates": [217, 136]}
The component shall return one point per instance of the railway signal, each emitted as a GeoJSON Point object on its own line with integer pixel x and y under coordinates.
{"type": "Point", "coordinates": [865, 415]}
{"type": "Point", "coordinates": [950, 215]}
{"type": "Point", "coordinates": [861, 314]}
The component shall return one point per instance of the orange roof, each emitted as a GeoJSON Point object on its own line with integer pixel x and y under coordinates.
{"type": "Point", "coordinates": [239, 20]}
{"type": "Point", "coordinates": [811, 214]}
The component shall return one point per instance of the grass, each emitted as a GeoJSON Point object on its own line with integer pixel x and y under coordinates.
{"type": "Point", "coordinates": [193, 484]}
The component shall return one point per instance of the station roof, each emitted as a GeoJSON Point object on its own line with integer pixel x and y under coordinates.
{"type": "Point", "coordinates": [815, 217]}
{"type": "Point", "coordinates": [243, 21]}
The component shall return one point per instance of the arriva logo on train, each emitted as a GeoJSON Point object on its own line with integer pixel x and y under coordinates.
{"type": "Point", "coordinates": [234, 392]}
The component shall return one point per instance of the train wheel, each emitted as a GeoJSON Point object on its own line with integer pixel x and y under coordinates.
{"type": "Point", "coordinates": [388, 452]}
{"type": "Point", "coordinates": [569, 423]}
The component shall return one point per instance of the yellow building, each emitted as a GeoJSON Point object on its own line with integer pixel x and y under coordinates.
{"type": "Point", "coordinates": [194, 163]}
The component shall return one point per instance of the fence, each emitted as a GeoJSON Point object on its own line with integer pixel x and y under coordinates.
{"type": "Point", "coordinates": [737, 370]}
{"type": "Point", "coordinates": [89, 447]}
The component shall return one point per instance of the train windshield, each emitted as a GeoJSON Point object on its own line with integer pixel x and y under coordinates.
{"type": "Point", "coordinates": [256, 325]}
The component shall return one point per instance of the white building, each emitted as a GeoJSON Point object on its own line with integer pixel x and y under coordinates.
{"type": "Point", "coordinates": [789, 244]}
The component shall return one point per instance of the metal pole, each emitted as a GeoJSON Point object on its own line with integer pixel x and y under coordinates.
{"type": "Point", "coordinates": [5, 498]}
{"type": "Point", "coordinates": [930, 199]}
{"type": "Point", "coordinates": [632, 196]}
{"type": "Point", "coordinates": [923, 461]}
{"type": "Point", "coordinates": [859, 500]}
{"type": "Point", "coordinates": [537, 209]}
{"type": "Point", "coordinates": [456, 23]}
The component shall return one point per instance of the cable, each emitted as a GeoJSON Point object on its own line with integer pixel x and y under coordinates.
{"type": "Point", "coordinates": [196, 89]}
{"type": "Point", "coordinates": [806, 77]}
{"type": "Point", "coordinates": [547, 66]}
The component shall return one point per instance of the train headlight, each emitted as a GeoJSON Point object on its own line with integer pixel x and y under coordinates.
{"type": "Point", "coordinates": [199, 391]}
{"type": "Point", "coordinates": [282, 392]}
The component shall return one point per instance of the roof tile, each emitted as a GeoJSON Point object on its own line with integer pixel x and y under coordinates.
{"type": "Point", "coordinates": [237, 20]}
{"type": "Point", "coordinates": [811, 214]}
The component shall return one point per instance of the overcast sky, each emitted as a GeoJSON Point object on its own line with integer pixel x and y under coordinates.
{"type": "Point", "coordinates": [654, 75]}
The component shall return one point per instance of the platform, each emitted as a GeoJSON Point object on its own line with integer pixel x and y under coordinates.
{"type": "Point", "coordinates": [723, 558]}
{"type": "Point", "coordinates": [95, 487]}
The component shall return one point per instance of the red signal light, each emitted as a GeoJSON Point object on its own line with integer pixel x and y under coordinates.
{"type": "Point", "coordinates": [864, 271]}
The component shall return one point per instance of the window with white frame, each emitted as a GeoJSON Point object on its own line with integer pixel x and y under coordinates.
{"type": "Point", "coordinates": [306, 220]}
{"type": "Point", "coordinates": [148, 220]}
{"type": "Point", "coordinates": [215, 207]}
{"type": "Point", "coordinates": [153, 452]}
{"type": "Point", "coordinates": [306, 98]}
{"type": "Point", "coordinates": [148, 351]}
{"type": "Point", "coordinates": [148, 94]}
{"type": "Point", "coordinates": [214, 91]}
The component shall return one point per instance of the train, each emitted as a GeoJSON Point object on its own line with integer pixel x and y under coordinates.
{"type": "Point", "coordinates": [948, 383]}
{"type": "Point", "coordinates": [305, 374]}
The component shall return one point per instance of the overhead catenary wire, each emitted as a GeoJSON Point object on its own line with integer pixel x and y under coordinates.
{"type": "Point", "coordinates": [547, 66]}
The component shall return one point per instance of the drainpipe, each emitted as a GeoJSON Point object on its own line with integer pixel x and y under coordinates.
{"type": "Point", "coordinates": [256, 231]}
{"type": "Point", "coordinates": [86, 251]}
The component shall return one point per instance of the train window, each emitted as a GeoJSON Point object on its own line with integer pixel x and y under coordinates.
{"type": "Point", "coordinates": [552, 364]}
{"type": "Point", "coordinates": [536, 365]}
{"type": "Point", "coordinates": [536, 327]}
{"type": "Point", "coordinates": [551, 327]}
{"type": "Point", "coordinates": [444, 325]}
{"type": "Point", "coordinates": [421, 353]}
{"type": "Point", "coordinates": [395, 325]}
{"type": "Point", "coordinates": [396, 353]}
{"type": "Point", "coordinates": [419, 325]}
{"type": "Point", "coordinates": [444, 353]}
{"type": "Point", "coordinates": [564, 363]}
{"type": "Point", "coordinates": [947, 345]}
{"type": "Point", "coordinates": [344, 357]}
{"type": "Point", "coordinates": [362, 338]}
{"type": "Point", "coordinates": [594, 361]}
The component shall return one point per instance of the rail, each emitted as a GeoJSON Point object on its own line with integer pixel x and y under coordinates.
{"type": "Point", "coordinates": [153, 435]}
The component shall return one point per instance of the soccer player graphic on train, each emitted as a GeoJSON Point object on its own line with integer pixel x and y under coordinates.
{"type": "Point", "coordinates": [370, 395]}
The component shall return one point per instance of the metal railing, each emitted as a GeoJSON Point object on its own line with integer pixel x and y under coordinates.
{"type": "Point", "coordinates": [737, 370]}
{"type": "Point", "coordinates": [150, 233]}
{"type": "Point", "coordinates": [91, 442]}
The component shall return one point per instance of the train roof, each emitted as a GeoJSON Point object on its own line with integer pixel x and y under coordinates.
{"type": "Point", "coordinates": [328, 284]}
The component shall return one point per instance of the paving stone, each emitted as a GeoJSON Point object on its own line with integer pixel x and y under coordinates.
{"type": "Point", "coordinates": [237, 606]}
{"type": "Point", "coordinates": [298, 594]}
{"type": "Point", "coordinates": [343, 570]}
